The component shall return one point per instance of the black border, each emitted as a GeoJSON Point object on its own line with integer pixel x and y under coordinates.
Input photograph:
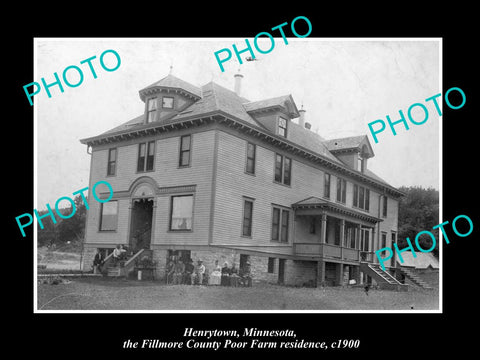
{"type": "Point", "coordinates": [60, 335]}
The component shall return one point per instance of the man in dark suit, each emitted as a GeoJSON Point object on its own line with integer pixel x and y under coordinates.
{"type": "Point", "coordinates": [98, 261]}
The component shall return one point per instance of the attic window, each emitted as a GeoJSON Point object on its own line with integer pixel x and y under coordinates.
{"type": "Point", "coordinates": [151, 109]}
{"type": "Point", "coordinates": [361, 163]}
{"type": "Point", "coordinates": [282, 127]}
{"type": "Point", "coordinates": [167, 102]}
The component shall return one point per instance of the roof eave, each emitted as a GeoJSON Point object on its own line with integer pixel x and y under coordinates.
{"type": "Point", "coordinates": [155, 127]}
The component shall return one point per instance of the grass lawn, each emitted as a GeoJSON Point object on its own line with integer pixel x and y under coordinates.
{"type": "Point", "coordinates": [122, 294]}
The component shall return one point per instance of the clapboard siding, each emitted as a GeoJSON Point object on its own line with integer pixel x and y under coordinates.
{"type": "Point", "coordinates": [119, 236]}
{"type": "Point", "coordinates": [166, 173]}
{"type": "Point", "coordinates": [233, 184]}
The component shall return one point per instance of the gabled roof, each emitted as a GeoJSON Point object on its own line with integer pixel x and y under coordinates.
{"type": "Point", "coordinates": [172, 82]}
{"type": "Point", "coordinates": [422, 261]}
{"type": "Point", "coordinates": [285, 103]}
{"type": "Point", "coordinates": [351, 143]}
{"type": "Point", "coordinates": [314, 202]}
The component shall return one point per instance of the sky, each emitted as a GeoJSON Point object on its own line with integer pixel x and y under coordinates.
{"type": "Point", "coordinates": [343, 84]}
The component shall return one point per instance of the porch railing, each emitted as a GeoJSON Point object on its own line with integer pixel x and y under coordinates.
{"type": "Point", "coordinates": [332, 251]}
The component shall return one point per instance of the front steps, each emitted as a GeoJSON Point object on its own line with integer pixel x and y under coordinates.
{"type": "Point", "coordinates": [124, 267]}
{"type": "Point", "coordinates": [415, 279]}
{"type": "Point", "coordinates": [383, 278]}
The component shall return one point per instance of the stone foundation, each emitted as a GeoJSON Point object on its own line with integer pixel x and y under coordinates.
{"type": "Point", "coordinates": [300, 273]}
{"type": "Point", "coordinates": [296, 272]}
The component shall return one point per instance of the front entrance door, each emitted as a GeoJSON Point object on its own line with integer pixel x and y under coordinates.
{"type": "Point", "coordinates": [281, 271]}
{"type": "Point", "coordinates": [141, 224]}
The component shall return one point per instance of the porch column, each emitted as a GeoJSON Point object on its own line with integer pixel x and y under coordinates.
{"type": "Point", "coordinates": [339, 281]}
{"type": "Point", "coordinates": [356, 274]}
{"type": "Point", "coordinates": [320, 273]}
{"type": "Point", "coordinates": [357, 237]}
{"type": "Point", "coordinates": [323, 230]}
{"type": "Point", "coordinates": [372, 244]}
{"type": "Point", "coordinates": [342, 237]}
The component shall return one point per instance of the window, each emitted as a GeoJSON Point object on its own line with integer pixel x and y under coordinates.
{"type": "Point", "coordinates": [271, 265]}
{"type": "Point", "coordinates": [326, 185]}
{"type": "Point", "coordinates": [185, 145]}
{"type": "Point", "coordinates": [384, 240]}
{"type": "Point", "coordinates": [251, 150]}
{"type": "Point", "coordinates": [385, 205]}
{"type": "Point", "coordinates": [109, 216]}
{"type": "Point", "coordinates": [181, 212]}
{"type": "Point", "coordinates": [146, 156]}
{"type": "Point", "coordinates": [112, 161]}
{"type": "Point", "coordinates": [280, 224]}
{"type": "Point", "coordinates": [360, 163]}
{"type": "Point", "coordinates": [364, 239]}
{"type": "Point", "coordinates": [284, 232]}
{"type": "Point", "coordinates": [282, 127]}
{"type": "Point", "coordinates": [283, 169]}
{"type": "Point", "coordinates": [167, 102]}
{"type": "Point", "coordinates": [275, 224]}
{"type": "Point", "coordinates": [361, 197]}
{"type": "Point", "coordinates": [247, 217]}
{"type": "Point", "coordinates": [341, 190]}
{"type": "Point", "coordinates": [151, 109]}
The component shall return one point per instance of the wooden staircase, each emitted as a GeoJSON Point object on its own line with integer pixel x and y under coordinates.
{"type": "Point", "coordinates": [415, 279]}
{"type": "Point", "coordinates": [383, 278]}
{"type": "Point", "coordinates": [124, 267]}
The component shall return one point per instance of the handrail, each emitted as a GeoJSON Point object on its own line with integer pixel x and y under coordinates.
{"type": "Point", "coordinates": [129, 261]}
{"type": "Point", "coordinates": [107, 259]}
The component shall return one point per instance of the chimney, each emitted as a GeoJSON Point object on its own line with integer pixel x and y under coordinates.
{"type": "Point", "coordinates": [238, 83]}
{"type": "Point", "coordinates": [301, 120]}
{"type": "Point", "coordinates": [308, 126]}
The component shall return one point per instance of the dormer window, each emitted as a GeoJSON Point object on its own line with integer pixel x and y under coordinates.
{"type": "Point", "coordinates": [167, 102]}
{"type": "Point", "coordinates": [282, 127]}
{"type": "Point", "coordinates": [361, 163]}
{"type": "Point", "coordinates": [151, 109]}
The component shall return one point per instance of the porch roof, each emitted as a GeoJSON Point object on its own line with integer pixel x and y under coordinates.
{"type": "Point", "coordinates": [321, 205]}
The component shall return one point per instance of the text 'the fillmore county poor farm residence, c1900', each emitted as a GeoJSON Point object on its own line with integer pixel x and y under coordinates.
{"type": "Point", "coordinates": [206, 174]}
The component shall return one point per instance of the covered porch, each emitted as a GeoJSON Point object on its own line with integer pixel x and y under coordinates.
{"type": "Point", "coordinates": [337, 237]}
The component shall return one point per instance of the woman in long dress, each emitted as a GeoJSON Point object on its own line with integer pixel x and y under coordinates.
{"type": "Point", "coordinates": [216, 275]}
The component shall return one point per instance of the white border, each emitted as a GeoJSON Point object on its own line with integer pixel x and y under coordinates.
{"type": "Point", "coordinates": [35, 126]}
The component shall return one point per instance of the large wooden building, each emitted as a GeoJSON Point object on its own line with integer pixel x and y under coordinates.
{"type": "Point", "coordinates": [206, 174]}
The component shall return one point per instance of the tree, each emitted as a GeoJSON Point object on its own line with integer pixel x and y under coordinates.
{"type": "Point", "coordinates": [65, 230]}
{"type": "Point", "coordinates": [418, 211]}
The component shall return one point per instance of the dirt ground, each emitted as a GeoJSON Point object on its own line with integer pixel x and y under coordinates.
{"type": "Point", "coordinates": [121, 294]}
{"type": "Point", "coordinates": [53, 259]}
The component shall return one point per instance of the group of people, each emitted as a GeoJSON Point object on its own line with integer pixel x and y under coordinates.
{"type": "Point", "coordinates": [119, 253]}
{"type": "Point", "coordinates": [185, 272]}
{"type": "Point", "coordinates": [180, 272]}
